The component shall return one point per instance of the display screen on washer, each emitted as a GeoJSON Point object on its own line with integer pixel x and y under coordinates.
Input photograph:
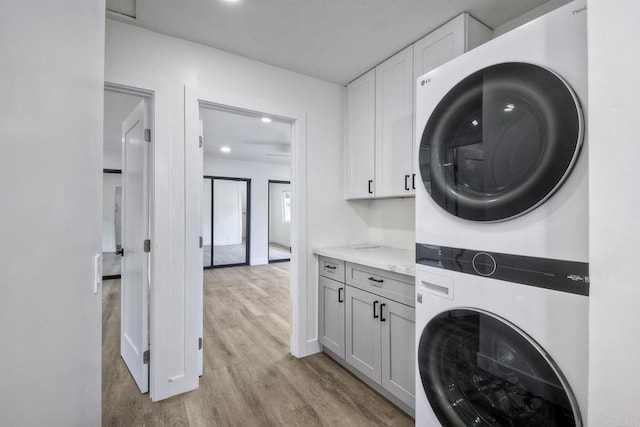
{"type": "Point", "coordinates": [478, 370]}
{"type": "Point", "coordinates": [501, 142]}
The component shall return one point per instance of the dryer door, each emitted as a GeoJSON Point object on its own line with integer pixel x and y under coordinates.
{"type": "Point", "coordinates": [479, 370]}
{"type": "Point", "coordinates": [501, 142]}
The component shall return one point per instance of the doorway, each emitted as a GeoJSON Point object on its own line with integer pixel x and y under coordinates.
{"type": "Point", "coordinates": [111, 223]}
{"type": "Point", "coordinates": [126, 219]}
{"type": "Point", "coordinates": [279, 243]}
{"type": "Point", "coordinates": [226, 221]}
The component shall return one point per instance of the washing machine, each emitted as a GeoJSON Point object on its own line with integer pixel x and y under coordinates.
{"type": "Point", "coordinates": [494, 353]}
{"type": "Point", "coordinates": [502, 278]}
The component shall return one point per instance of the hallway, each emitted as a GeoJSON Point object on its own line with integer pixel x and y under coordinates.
{"type": "Point", "coordinates": [250, 379]}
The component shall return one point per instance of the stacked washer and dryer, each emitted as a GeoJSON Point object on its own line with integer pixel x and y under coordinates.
{"type": "Point", "coordinates": [502, 278]}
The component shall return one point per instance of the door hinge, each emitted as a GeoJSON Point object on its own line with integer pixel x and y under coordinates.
{"type": "Point", "coordinates": [200, 141]}
{"type": "Point", "coordinates": [147, 245]}
{"type": "Point", "coordinates": [147, 135]}
{"type": "Point", "coordinates": [199, 343]}
{"type": "Point", "coordinates": [200, 242]}
{"type": "Point", "coordinates": [146, 356]}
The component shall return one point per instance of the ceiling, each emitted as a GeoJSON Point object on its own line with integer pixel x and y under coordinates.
{"type": "Point", "coordinates": [248, 137]}
{"type": "Point", "coordinates": [333, 40]}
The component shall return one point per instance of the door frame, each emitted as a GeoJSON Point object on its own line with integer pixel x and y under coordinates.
{"type": "Point", "coordinates": [247, 256]}
{"type": "Point", "coordinates": [274, 181]}
{"type": "Point", "coordinates": [194, 97]}
{"type": "Point", "coordinates": [163, 381]}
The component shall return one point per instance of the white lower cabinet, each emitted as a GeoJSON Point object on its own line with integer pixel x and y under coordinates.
{"type": "Point", "coordinates": [366, 323]}
{"type": "Point", "coordinates": [380, 341]}
{"type": "Point", "coordinates": [398, 350]}
{"type": "Point", "coordinates": [363, 332]}
{"type": "Point", "coordinates": [331, 315]}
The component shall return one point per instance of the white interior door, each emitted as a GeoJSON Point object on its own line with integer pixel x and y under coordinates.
{"type": "Point", "coordinates": [134, 324]}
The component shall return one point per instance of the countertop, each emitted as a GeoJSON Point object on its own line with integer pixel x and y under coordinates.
{"type": "Point", "coordinates": [401, 261]}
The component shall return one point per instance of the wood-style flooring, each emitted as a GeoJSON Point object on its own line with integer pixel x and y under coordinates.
{"type": "Point", "coordinates": [250, 379]}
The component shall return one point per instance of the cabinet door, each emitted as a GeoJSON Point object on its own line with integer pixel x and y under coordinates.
{"type": "Point", "coordinates": [439, 46]}
{"type": "Point", "coordinates": [331, 315]}
{"type": "Point", "coordinates": [398, 350]}
{"type": "Point", "coordinates": [363, 332]}
{"type": "Point", "coordinates": [360, 137]}
{"type": "Point", "coordinates": [394, 125]}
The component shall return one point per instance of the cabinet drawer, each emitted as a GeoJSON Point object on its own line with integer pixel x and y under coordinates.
{"type": "Point", "coordinates": [331, 268]}
{"type": "Point", "coordinates": [394, 286]}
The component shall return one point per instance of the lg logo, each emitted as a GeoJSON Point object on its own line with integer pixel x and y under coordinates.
{"type": "Point", "coordinates": [425, 81]}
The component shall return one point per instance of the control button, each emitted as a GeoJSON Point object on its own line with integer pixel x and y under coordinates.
{"type": "Point", "coordinates": [484, 264]}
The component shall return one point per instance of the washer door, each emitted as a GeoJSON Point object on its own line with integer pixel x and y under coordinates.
{"type": "Point", "coordinates": [479, 370]}
{"type": "Point", "coordinates": [501, 142]}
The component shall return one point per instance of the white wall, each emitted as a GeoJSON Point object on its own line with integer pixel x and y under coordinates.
{"type": "Point", "coordinates": [279, 230]}
{"type": "Point", "coordinates": [260, 173]}
{"type": "Point", "coordinates": [614, 203]}
{"type": "Point", "coordinates": [117, 107]}
{"type": "Point", "coordinates": [51, 186]}
{"type": "Point", "coordinates": [392, 223]}
{"type": "Point", "coordinates": [529, 16]}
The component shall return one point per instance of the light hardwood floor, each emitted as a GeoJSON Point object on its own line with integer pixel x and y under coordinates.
{"type": "Point", "coordinates": [250, 378]}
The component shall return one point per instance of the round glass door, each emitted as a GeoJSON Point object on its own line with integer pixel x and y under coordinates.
{"type": "Point", "coordinates": [501, 142]}
{"type": "Point", "coordinates": [478, 370]}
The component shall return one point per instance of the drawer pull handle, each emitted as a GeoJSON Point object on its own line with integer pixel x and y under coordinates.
{"type": "Point", "coordinates": [375, 316]}
{"type": "Point", "coordinates": [382, 319]}
{"type": "Point", "coordinates": [340, 299]}
{"type": "Point", "coordinates": [373, 279]}
{"type": "Point", "coordinates": [331, 267]}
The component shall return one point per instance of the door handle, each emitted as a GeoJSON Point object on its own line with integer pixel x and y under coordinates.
{"type": "Point", "coordinates": [120, 251]}
{"type": "Point", "coordinates": [340, 299]}
{"type": "Point", "coordinates": [382, 319]}
{"type": "Point", "coordinates": [413, 181]}
{"type": "Point", "coordinates": [370, 190]}
{"type": "Point", "coordinates": [375, 316]}
{"type": "Point", "coordinates": [406, 182]}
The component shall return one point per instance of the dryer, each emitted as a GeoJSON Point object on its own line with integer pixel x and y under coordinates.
{"type": "Point", "coordinates": [501, 143]}
{"type": "Point", "coordinates": [502, 230]}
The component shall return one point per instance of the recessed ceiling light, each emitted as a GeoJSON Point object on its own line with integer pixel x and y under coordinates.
{"type": "Point", "coordinates": [266, 119]}
{"type": "Point", "coordinates": [232, 1]}
{"type": "Point", "coordinates": [225, 149]}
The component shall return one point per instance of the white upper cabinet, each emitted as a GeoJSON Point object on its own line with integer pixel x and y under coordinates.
{"type": "Point", "coordinates": [454, 38]}
{"type": "Point", "coordinates": [360, 154]}
{"type": "Point", "coordinates": [380, 111]}
{"type": "Point", "coordinates": [394, 125]}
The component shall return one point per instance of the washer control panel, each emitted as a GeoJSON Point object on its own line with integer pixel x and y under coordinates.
{"type": "Point", "coordinates": [560, 275]}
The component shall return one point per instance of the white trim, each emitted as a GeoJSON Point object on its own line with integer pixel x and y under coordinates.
{"type": "Point", "coordinates": [299, 346]}
{"type": "Point", "coordinates": [161, 385]}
